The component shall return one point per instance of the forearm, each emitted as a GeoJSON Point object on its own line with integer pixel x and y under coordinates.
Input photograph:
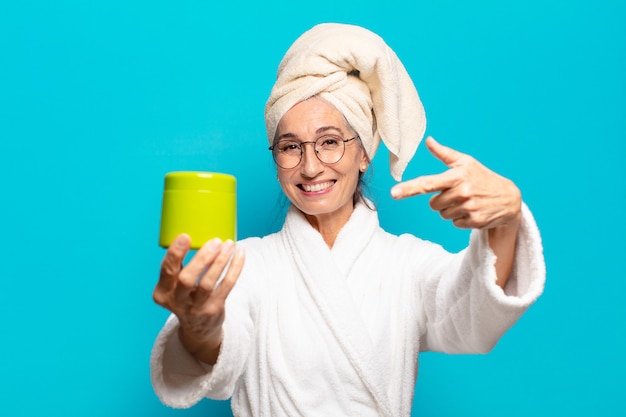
{"type": "Point", "coordinates": [205, 351]}
{"type": "Point", "coordinates": [502, 241]}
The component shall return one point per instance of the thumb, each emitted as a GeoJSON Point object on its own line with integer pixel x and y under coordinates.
{"type": "Point", "coordinates": [447, 155]}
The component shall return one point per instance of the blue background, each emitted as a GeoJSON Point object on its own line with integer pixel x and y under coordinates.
{"type": "Point", "coordinates": [98, 100]}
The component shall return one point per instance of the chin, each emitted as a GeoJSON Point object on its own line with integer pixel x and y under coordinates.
{"type": "Point", "coordinates": [321, 209]}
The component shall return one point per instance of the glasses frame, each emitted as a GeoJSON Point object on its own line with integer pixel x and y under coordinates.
{"type": "Point", "coordinates": [314, 142]}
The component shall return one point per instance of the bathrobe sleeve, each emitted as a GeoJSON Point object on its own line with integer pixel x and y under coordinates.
{"type": "Point", "coordinates": [462, 308]}
{"type": "Point", "coordinates": [179, 379]}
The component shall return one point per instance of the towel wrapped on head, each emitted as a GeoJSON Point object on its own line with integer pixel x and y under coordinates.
{"type": "Point", "coordinates": [354, 70]}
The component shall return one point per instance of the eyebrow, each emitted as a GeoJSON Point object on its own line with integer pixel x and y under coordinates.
{"type": "Point", "coordinates": [319, 131]}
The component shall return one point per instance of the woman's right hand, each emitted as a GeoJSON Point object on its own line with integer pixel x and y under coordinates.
{"type": "Point", "coordinates": [193, 295]}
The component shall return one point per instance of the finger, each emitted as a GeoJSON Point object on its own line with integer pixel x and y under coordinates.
{"type": "Point", "coordinates": [445, 200]}
{"type": "Point", "coordinates": [173, 261]}
{"type": "Point", "coordinates": [425, 184]}
{"type": "Point", "coordinates": [199, 263]}
{"type": "Point", "coordinates": [445, 154]}
{"type": "Point", "coordinates": [462, 223]}
{"type": "Point", "coordinates": [215, 270]}
{"type": "Point", "coordinates": [232, 275]}
{"type": "Point", "coordinates": [453, 213]}
{"type": "Point", "coordinates": [218, 294]}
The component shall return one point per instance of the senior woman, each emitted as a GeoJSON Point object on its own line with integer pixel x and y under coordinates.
{"type": "Point", "coordinates": [328, 316]}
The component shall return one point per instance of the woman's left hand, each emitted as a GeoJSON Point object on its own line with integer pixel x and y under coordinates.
{"type": "Point", "coordinates": [469, 194]}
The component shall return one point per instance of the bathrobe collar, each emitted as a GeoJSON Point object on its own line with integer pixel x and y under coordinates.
{"type": "Point", "coordinates": [324, 271]}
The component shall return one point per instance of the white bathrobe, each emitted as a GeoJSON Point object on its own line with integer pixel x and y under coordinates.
{"type": "Point", "coordinates": [313, 331]}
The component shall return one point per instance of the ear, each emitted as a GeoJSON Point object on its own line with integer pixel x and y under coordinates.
{"type": "Point", "coordinates": [365, 161]}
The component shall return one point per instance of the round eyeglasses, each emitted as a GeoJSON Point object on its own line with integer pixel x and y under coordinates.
{"type": "Point", "coordinates": [329, 149]}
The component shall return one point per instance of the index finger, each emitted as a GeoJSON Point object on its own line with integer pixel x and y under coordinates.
{"type": "Point", "coordinates": [425, 184]}
{"type": "Point", "coordinates": [173, 260]}
{"type": "Point", "coordinates": [450, 157]}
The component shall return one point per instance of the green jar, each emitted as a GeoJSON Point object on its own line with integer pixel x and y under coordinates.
{"type": "Point", "coordinates": [200, 204]}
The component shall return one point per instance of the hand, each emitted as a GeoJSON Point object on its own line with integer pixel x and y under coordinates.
{"type": "Point", "coordinates": [470, 194]}
{"type": "Point", "coordinates": [192, 295]}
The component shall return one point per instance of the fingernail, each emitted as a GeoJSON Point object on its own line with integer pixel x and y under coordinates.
{"type": "Point", "coordinates": [215, 244]}
{"type": "Point", "coordinates": [228, 245]}
{"type": "Point", "coordinates": [396, 192]}
{"type": "Point", "coordinates": [181, 242]}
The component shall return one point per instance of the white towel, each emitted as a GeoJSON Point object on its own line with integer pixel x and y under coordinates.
{"type": "Point", "coordinates": [353, 69]}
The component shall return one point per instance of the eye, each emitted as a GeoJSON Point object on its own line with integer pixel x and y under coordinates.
{"type": "Point", "coordinates": [329, 142]}
{"type": "Point", "coordinates": [288, 146]}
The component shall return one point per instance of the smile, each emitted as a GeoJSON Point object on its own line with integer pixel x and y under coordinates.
{"type": "Point", "coordinates": [314, 188]}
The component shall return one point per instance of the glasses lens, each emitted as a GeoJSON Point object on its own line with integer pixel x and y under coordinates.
{"type": "Point", "coordinates": [329, 149]}
{"type": "Point", "coordinates": [287, 153]}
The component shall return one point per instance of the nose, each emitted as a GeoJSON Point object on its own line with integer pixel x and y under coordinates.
{"type": "Point", "coordinates": [311, 166]}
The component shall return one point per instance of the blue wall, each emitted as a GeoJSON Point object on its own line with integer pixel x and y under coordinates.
{"type": "Point", "coordinates": [98, 100]}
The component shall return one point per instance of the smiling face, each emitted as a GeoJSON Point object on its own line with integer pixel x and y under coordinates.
{"type": "Point", "coordinates": [323, 192]}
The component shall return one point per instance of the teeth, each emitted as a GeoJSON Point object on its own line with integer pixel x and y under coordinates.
{"type": "Point", "coordinates": [316, 187]}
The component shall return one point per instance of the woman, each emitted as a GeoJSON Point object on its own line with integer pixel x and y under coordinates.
{"type": "Point", "coordinates": [328, 316]}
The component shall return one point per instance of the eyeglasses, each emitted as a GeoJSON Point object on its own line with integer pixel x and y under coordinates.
{"type": "Point", "coordinates": [329, 149]}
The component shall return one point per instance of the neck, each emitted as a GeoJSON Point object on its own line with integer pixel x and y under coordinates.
{"type": "Point", "coordinates": [330, 224]}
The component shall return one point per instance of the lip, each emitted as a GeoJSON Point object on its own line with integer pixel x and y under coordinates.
{"type": "Point", "coordinates": [318, 187]}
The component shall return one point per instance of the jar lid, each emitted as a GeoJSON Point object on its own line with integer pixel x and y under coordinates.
{"type": "Point", "coordinates": [196, 180]}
